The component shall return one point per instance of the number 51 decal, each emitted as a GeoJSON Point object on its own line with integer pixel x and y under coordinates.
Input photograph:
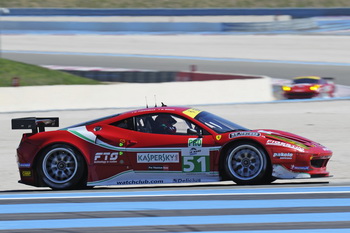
{"type": "Point", "coordinates": [195, 164]}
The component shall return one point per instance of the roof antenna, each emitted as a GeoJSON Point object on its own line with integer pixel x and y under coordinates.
{"type": "Point", "coordinates": [155, 101]}
{"type": "Point", "coordinates": [163, 105]}
{"type": "Point", "coordinates": [146, 102]}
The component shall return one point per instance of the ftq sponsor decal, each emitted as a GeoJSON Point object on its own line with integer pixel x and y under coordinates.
{"type": "Point", "coordinates": [158, 157]}
{"type": "Point", "coordinates": [106, 157]}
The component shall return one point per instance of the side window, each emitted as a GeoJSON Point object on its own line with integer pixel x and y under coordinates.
{"type": "Point", "coordinates": [144, 123]}
{"type": "Point", "coordinates": [183, 126]}
{"type": "Point", "coordinates": [125, 124]}
{"type": "Point", "coordinates": [164, 123]}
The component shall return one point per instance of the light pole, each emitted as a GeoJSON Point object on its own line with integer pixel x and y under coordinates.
{"type": "Point", "coordinates": [3, 11]}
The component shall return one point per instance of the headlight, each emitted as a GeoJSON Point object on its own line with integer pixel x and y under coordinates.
{"type": "Point", "coordinates": [314, 87]}
{"type": "Point", "coordinates": [286, 88]}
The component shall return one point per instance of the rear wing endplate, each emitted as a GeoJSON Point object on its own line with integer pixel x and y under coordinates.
{"type": "Point", "coordinates": [36, 124]}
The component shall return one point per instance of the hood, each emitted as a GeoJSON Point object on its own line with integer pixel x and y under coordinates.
{"type": "Point", "coordinates": [287, 137]}
{"type": "Point", "coordinates": [302, 84]}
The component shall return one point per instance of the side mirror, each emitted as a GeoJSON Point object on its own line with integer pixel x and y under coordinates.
{"type": "Point", "coordinates": [194, 132]}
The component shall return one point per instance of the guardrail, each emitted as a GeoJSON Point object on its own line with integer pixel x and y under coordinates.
{"type": "Point", "coordinates": [293, 12]}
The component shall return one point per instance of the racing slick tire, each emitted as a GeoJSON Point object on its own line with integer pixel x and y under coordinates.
{"type": "Point", "coordinates": [62, 167]}
{"type": "Point", "coordinates": [246, 163]}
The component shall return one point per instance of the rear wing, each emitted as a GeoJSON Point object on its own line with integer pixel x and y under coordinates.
{"type": "Point", "coordinates": [36, 124]}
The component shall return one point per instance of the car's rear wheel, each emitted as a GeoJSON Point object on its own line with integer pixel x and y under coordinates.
{"type": "Point", "coordinates": [62, 167]}
{"type": "Point", "coordinates": [246, 163]}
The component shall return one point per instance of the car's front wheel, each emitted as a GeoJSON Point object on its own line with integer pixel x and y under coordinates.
{"type": "Point", "coordinates": [61, 167]}
{"type": "Point", "coordinates": [246, 163]}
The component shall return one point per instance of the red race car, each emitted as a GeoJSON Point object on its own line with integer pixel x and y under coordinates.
{"type": "Point", "coordinates": [309, 87]}
{"type": "Point", "coordinates": [162, 145]}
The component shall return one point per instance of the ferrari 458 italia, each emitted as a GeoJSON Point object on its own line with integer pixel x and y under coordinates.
{"type": "Point", "coordinates": [309, 87]}
{"type": "Point", "coordinates": [161, 145]}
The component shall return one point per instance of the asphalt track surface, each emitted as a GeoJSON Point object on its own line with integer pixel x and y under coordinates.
{"type": "Point", "coordinates": [274, 69]}
{"type": "Point", "coordinates": [283, 209]}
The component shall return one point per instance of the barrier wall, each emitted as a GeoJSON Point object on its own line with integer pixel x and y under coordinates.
{"type": "Point", "coordinates": [295, 25]}
{"type": "Point", "coordinates": [126, 95]}
{"type": "Point", "coordinates": [294, 12]}
{"type": "Point", "coordinates": [111, 26]}
{"type": "Point", "coordinates": [115, 27]}
{"type": "Point", "coordinates": [126, 76]}
{"type": "Point", "coordinates": [153, 76]}
{"type": "Point", "coordinates": [198, 76]}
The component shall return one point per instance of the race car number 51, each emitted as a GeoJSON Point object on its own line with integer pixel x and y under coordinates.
{"type": "Point", "coordinates": [195, 163]}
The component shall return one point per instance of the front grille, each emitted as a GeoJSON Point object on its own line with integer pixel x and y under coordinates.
{"type": "Point", "coordinates": [319, 162]}
{"type": "Point", "coordinates": [300, 95]}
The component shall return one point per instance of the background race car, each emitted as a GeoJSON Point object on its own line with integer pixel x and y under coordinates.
{"type": "Point", "coordinates": [162, 145]}
{"type": "Point", "coordinates": [309, 87]}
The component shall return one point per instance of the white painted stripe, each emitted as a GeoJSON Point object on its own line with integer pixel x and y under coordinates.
{"type": "Point", "coordinates": [170, 205]}
{"type": "Point", "coordinates": [170, 193]}
{"type": "Point", "coordinates": [177, 220]}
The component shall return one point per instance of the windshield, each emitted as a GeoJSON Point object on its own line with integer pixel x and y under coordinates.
{"type": "Point", "coordinates": [218, 124]}
{"type": "Point", "coordinates": [306, 80]}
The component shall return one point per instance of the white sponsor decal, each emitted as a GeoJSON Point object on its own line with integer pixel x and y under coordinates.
{"type": "Point", "coordinates": [283, 155]}
{"type": "Point", "coordinates": [131, 182]}
{"type": "Point", "coordinates": [300, 168]}
{"type": "Point", "coordinates": [158, 157]}
{"type": "Point", "coordinates": [186, 180]}
{"type": "Point", "coordinates": [241, 134]}
{"type": "Point", "coordinates": [106, 157]}
{"type": "Point", "coordinates": [195, 151]}
{"type": "Point", "coordinates": [284, 144]}
{"type": "Point", "coordinates": [159, 167]}
{"type": "Point", "coordinates": [264, 131]}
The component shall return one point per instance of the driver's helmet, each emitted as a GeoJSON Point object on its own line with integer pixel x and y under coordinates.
{"type": "Point", "coordinates": [165, 124]}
